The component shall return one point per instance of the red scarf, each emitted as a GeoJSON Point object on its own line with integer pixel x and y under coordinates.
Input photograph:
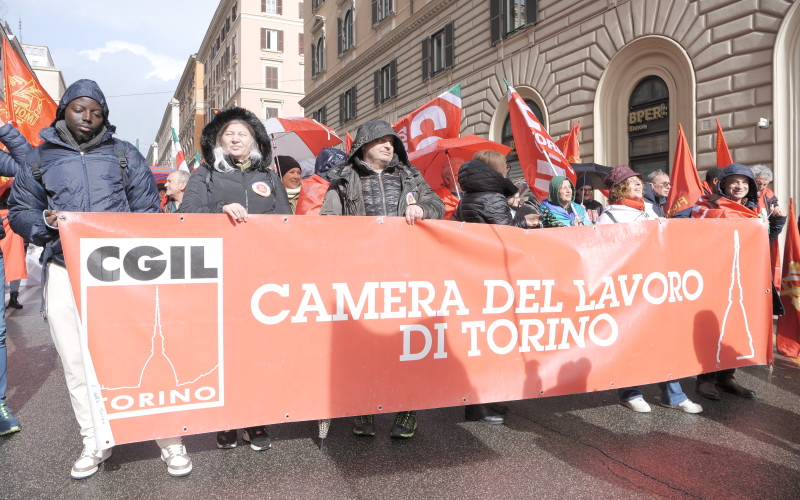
{"type": "Point", "coordinates": [637, 203]}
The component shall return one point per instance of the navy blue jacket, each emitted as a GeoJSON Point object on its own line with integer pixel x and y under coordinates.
{"type": "Point", "coordinates": [17, 147]}
{"type": "Point", "coordinates": [72, 181]}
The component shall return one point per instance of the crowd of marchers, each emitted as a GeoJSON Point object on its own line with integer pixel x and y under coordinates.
{"type": "Point", "coordinates": [81, 167]}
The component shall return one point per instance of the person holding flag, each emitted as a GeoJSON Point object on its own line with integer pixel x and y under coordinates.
{"type": "Point", "coordinates": [10, 163]}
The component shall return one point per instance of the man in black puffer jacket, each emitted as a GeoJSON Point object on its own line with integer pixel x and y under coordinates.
{"type": "Point", "coordinates": [378, 180]}
{"type": "Point", "coordinates": [81, 167]}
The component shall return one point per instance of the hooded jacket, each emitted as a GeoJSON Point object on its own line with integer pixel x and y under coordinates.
{"type": "Point", "coordinates": [85, 178]}
{"type": "Point", "coordinates": [721, 205]}
{"type": "Point", "coordinates": [485, 196]}
{"type": "Point", "coordinates": [257, 188]}
{"type": "Point", "coordinates": [357, 189]}
{"type": "Point", "coordinates": [554, 215]}
{"type": "Point", "coordinates": [10, 163]}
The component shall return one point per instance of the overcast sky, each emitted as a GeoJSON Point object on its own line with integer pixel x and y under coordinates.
{"type": "Point", "coordinates": [136, 51]}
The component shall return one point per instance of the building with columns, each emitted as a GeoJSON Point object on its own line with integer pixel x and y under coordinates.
{"type": "Point", "coordinates": [629, 71]}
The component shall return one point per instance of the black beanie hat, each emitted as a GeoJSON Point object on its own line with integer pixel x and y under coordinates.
{"type": "Point", "coordinates": [286, 163]}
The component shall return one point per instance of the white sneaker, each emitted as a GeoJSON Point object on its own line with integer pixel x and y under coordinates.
{"type": "Point", "coordinates": [88, 462]}
{"type": "Point", "coordinates": [178, 462]}
{"type": "Point", "coordinates": [637, 404]}
{"type": "Point", "coordinates": [687, 406]}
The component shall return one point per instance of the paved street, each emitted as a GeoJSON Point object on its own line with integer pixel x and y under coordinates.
{"type": "Point", "coordinates": [584, 446]}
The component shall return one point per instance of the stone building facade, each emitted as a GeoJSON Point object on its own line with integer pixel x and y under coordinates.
{"type": "Point", "coordinates": [630, 71]}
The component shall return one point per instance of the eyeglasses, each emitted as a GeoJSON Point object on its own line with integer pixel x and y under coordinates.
{"type": "Point", "coordinates": [665, 184]}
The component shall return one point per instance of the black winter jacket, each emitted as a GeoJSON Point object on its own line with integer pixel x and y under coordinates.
{"type": "Point", "coordinates": [485, 196]}
{"type": "Point", "coordinates": [258, 189]}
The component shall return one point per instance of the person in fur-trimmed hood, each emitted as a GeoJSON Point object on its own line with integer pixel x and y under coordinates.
{"type": "Point", "coordinates": [377, 179]}
{"type": "Point", "coordinates": [235, 178]}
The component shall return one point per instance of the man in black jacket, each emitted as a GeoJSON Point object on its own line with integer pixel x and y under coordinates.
{"type": "Point", "coordinates": [378, 180]}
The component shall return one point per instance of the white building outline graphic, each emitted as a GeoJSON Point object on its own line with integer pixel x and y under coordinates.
{"type": "Point", "coordinates": [736, 278]}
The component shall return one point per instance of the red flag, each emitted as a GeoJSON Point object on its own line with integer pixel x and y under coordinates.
{"type": "Point", "coordinates": [788, 333]}
{"type": "Point", "coordinates": [348, 142]}
{"type": "Point", "coordinates": [686, 187]}
{"type": "Point", "coordinates": [539, 157]}
{"type": "Point", "coordinates": [439, 118]}
{"type": "Point", "coordinates": [723, 153]}
{"type": "Point", "coordinates": [29, 105]}
{"type": "Point", "coordinates": [4, 112]}
{"type": "Point", "coordinates": [569, 144]}
{"type": "Point", "coordinates": [309, 202]}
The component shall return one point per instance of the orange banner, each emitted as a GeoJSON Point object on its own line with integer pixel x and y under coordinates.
{"type": "Point", "coordinates": [294, 318]}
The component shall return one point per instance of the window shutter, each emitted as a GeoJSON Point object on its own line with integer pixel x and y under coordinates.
{"type": "Point", "coordinates": [279, 8]}
{"type": "Point", "coordinates": [531, 11]}
{"type": "Point", "coordinates": [374, 12]}
{"type": "Point", "coordinates": [300, 10]}
{"type": "Point", "coordinates": [263, 5]}
{"type": "Point", "coordinates": [263, 38]}
{"type": "Point", "coordinates": [339, 33]}
{"type": "Point", "coordinates": [313, 60]}
{"type": "Point", "coordinates": [300, 43]}
{"type": "Point", "coordinates": [378, 89]}
{"type": "Point", "coordinates": [393, 78]}
{"type": "Point", "coordinates": [448, 45]}
{"type": "Point", "coordinates": [426, 58]}
{"type": "Point", "coordinates": [342, 111]}
{"type": "Point", "coordinates": [496, 20]}
{"type": "Point", "coordinates": [353, 102]}
{"type": "Point", "coordinates": [280, 40]}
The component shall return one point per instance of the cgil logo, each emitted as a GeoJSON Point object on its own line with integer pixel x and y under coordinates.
{"type": "Point", "coordinates": [148, 263]}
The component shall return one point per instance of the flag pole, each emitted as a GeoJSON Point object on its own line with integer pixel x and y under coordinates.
{"type": "Point", "coordinates": [447, 155]}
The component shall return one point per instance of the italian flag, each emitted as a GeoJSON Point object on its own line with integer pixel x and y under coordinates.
{"type": "Point", "coordinates": [180, 161]}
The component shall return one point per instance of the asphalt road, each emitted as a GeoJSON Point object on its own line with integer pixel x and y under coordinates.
{"type": "Point", "coordinates": [583, 446]}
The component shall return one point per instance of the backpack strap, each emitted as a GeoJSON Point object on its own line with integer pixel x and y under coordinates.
{"type": "Point", "coordinates": [119, 150]}
{"type": "Point", "coordinates": [36, 165]}
{"type": "Point", "coordinates": [611, 216]}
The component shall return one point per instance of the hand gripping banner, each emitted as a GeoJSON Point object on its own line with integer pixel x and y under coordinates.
{"type": "Point", "coordinates": [291, 318]}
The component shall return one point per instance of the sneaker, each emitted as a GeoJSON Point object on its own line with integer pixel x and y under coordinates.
{"type": "Point", "coordinates": [637, 404]}
{"type": "Point", "coordinates": [405, 423]}
{"type": "Point", "coordinates": [178, 462]}
{"type": "Point", "coordinates": [687, 406]}
{"type": "Point", "coordinates": [8, 423]}
{"type": "Point", "coordinates": [88, 462]}
{"type": "Point", "coordinates": [364, 425]}
{"type": "Point", "coordinates": [257, 437]}
{"type": "Point", "coordinates": [226, 439]}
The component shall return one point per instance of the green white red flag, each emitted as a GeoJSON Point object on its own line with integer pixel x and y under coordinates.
{"type": "Point", "coordinates": [539, 157]}
{"type": "Point", "coordinates": [180, 160]}
{"type": "Point", "coordinates": [439, 118]}
{"type": "Point", "coordinates": [686, 187]}
{"type": "Point", "coordinates": [723, 153]}
{"type": "Point", "coordinates": [28, 105]}
{"type": "Point", "coordinates": [788, 333]}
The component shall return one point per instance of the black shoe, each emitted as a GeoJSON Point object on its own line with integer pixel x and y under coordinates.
{"type": "Point", "coordinates": [482, 413]}
{"type": "Point", "coordinates": [707, 389]}
{"type": "Point", "coordinates": [13, 301]}
{"type": "Point", "coordinates": [364, 426]}
{"type": "Point", "coordinates": [257, 437]}
{"type": "Point", "coordinates": [226, 439]}
{"type": "Point", "coordinates": [732, 386]}
{"type": "Point", "coordinates": [498, 408]}
{"type": "Point", "coordinates": [405, 424]}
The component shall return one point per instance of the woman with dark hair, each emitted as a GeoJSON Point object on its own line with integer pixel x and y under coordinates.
{"type": "Point", "coordinates": [235, 179]}
{"type": "Point", "coordinates": [626, 204]}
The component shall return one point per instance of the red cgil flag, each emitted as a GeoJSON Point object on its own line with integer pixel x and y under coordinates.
{"type": "Point", "coordinates": [439, 118]}
{"type": "Point", "coordinates": [723, 153]}
{"type": "Point", "coordinates": [348, 142]}
{"type": "Point", "coordinates": [30, 107]}
{"type": "Point", "coordinates": [686, 186]}
{"type": "Point", "coordinates": [569, 144]}
{"type": "Point", "coordinates": [788, 333]}
{"type": "Point", "coordinates": [539, 157]}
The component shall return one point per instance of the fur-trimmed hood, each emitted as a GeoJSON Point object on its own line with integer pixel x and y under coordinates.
{"type": "Point", "coordinates": [209, 137]}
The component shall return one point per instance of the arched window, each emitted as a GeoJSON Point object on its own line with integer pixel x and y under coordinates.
{"type": "Point", "coordinates": [648, 126]}
{"type": "Point", "coordinates": [347, 31]}
{"type": "Point", "coordinates": [318, 56]}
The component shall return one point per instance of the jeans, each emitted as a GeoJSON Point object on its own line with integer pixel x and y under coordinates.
{"type": "Point", "coordinates": [671, 393]}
